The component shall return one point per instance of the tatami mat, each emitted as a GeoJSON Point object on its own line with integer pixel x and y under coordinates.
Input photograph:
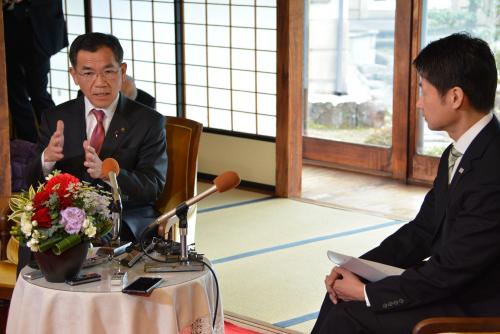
{"type": "Point", "coordinates": [270, 255]}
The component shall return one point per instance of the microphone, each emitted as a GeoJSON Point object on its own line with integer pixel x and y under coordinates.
{"type": "Point", "coordinates": [111, 169]}
{"type": "Point", "coordinates": [224, 182]}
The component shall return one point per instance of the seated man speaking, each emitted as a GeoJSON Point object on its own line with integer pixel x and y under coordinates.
{"type": "Point", "coordinates": [76, 136]}
{"type": "Point", "coordinates": [458, 225]}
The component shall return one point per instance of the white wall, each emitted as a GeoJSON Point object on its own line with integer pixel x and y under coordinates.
{"type": "Point", "coordinates": [253, 160]}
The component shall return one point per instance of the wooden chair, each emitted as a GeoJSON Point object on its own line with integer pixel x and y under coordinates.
{"type": "Point", "coordinates": [7, 268]}
{"type": "Point", "coordinates": [458, 325]}
{"type": "Point", "coordinates": [183, 139]}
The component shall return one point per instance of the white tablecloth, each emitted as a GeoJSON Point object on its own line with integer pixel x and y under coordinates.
{"type": "Point", "coordinates": [185, 303]}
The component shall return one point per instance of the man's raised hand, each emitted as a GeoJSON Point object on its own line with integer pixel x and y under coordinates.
{"type": "Point", "coordinates": [54, 150]}
{"type": "Point", "coordinates": [92, 161]}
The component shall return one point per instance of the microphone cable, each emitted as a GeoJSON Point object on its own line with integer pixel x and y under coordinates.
{"type": "Point", "coordinates": [216, 290]}
{"type": "Point", "coordinates": [141, 242]}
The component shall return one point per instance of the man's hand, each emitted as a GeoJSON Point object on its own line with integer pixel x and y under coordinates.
{"type": "Point", "coordinates": [54, 150]}
{"type": "Point", "coordinates": [92, 161]}
{"type": "Point", "coordinates": [329, 283]}
{"type": "Point", "coordinates": [349, 287]}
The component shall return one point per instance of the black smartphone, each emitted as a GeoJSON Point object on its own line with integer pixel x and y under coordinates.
{"type": "Point", "coordinates": [142, 286]}
{"type": "Point", "coordinates": [84, 278]}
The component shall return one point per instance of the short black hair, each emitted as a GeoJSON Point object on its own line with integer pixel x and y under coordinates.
{"type": "Point", "coordinates": [92, 42]}
{"type": "Point", "coordinates": [460, 60]}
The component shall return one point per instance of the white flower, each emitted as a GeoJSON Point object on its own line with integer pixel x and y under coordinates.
{"type": "Point", "coordinates": [90, 231]}
{"type": "Point", "coordinates": [33, 245]}
{"type": "Point", "coordinates": [26, 225]}
{"type": "Point", "coordinates": [28, 207]}
{"type": "Point", "coordinates": [26, 229]}
{"type": "Point", "coordinates": [25, 218]}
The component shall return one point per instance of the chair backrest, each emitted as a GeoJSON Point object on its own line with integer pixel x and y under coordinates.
{"type": "Point", "coordinates": [458, 325]}
{"type": "Point", "coordinates": [5, 226]}
{"type": "Point", "coordinates": [183, 139]}
{"type": "Point", "coordinates": [21, 152]}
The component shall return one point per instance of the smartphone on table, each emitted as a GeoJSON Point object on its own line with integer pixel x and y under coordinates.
{"type": "Point", "coordinates": [143, 285]}
{"type": "Point", "coordinates": [84, 278]}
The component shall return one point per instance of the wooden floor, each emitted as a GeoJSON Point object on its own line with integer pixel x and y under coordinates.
{"type": "Point", "coordinates": [373, 194]}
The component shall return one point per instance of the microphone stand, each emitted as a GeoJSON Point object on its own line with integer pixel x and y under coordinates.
{"type": "Point", "coordinates": [116, 211]}
{"type": "Point", "coordinates": [116, 216]}
{"type": "Point", "coordinates": [181, 212]}
{"type": "Point", "coordinates": [184, 262]}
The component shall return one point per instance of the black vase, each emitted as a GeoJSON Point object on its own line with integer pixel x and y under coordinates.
{"type": "Point", "coordinates": [58, 268]}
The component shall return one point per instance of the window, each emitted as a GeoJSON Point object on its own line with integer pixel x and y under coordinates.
{"type": "Point", "coordinates": [61, 86]}
{"type": "Point", "coordinates": [229, 53]}
{"type": "Point", "coordinates": [442, 18]}
{"type": "Point", "coordinates": [350, 60]}
{"type": "Point", "coordinates": [230, 64]}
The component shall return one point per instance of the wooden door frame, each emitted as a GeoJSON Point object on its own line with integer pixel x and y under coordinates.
{"type": "Point", "coordinates": [422, 168]}
{"type": "Point", "coordinates": [5, 184]}
{"type": "Point", "coordinates": [290, 53]}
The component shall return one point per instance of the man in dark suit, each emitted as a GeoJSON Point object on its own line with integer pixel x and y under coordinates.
{"type": "Point", "coordinates": [34, 31]}
{"type": "Point", "coordinates": [451, 250]}
{"type": "Point", "coordinates": [77, 135]}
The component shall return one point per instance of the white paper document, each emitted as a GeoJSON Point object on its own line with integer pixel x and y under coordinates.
{"type": "Point", "coordinates": [372, 271]}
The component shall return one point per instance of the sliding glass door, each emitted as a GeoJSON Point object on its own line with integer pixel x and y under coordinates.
{"type": "Point", "coordinates": [360, 87]}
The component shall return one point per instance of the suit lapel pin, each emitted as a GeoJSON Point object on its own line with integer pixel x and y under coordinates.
{"type": "Point", "coordinates": [461, 170]}
{"type": "Point", "coordinates": [119, 132]}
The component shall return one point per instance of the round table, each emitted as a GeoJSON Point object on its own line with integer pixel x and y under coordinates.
{"type": "Point", "coordinates": [184, 303]}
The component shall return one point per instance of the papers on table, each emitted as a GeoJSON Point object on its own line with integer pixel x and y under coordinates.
{"type": "Point", "coordinates": [372, 271]}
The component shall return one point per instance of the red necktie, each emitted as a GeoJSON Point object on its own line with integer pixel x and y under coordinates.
{"type": "Point", "coordinates": [98, 134]}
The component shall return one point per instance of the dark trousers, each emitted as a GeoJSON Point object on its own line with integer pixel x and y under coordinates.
{"type": "Point", "coordinates": [357, 318]}
{"type": "Point", "coordinates": [27, 74]}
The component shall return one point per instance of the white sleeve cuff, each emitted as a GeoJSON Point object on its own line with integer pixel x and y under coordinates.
{"type": "Point", "coordinates": [366, 297]}
{"type": "Point", "coordinates": [46, 166]}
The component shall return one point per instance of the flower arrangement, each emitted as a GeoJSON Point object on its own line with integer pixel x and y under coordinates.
{"type": "Point", "coordinates": [60, 214]}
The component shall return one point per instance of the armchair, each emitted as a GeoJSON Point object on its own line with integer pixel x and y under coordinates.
{"type": "Point", "coordinates": [458, 325]}
{"type": "Point", "coordinates": [8, 268]}
{"type": "Point", "coordinates": [183, 139]}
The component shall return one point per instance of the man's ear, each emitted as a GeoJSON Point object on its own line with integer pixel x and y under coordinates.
{"type": "Point", "coordinates": [73, 73]}
{"type": "Point", "coordinates": [456, 96]}
{"type": "Point", "coordinates": [123, 68]}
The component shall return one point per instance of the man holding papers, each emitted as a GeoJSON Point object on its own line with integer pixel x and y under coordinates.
{"type": "Point", "coordinates": [458, 225]}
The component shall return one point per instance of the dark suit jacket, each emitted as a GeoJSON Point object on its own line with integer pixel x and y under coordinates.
{"type": "Point", "coordinates": [135, 138]}
{"type": "Point", "coordinates": [458, 226]}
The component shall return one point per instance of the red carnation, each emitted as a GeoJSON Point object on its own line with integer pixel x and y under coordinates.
{"type": "Point", "coordinates": [42, 217]}
{"type": "Point", "coordinates": [40, 198]}
{"type": "Point", "coordinates": [61, 182]}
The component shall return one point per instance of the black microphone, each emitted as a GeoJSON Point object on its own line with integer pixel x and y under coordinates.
{"type": "Point", "coordinates": [224, 182]}
{"type": "Point", "coordinates": [111, 169]}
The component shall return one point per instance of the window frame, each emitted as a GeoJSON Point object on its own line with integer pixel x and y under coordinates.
{"type": "Point", "coordinates": [400, 161]}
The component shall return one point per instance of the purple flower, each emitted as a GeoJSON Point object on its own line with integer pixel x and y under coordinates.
{"type": "Point", "coordinates": [72, 218]}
